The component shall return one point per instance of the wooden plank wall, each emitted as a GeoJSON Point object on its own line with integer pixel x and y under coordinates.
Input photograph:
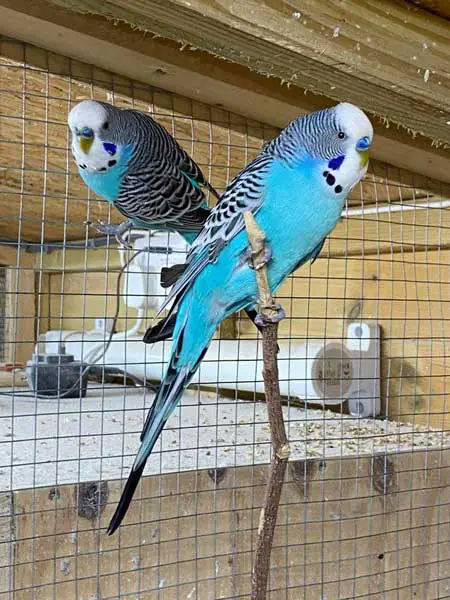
{"type": "Point", "coordinates": [20, 306]}
{"type": "Point", "coordinates": [41, 195]}
{"type": "Point", "coordinates": [387, 51]}
{"type": "Point", "coordinates": [348, 528]}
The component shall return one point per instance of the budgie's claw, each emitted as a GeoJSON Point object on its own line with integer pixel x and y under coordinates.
{"type": "Point", "coordinates": [264, 320]}
{"type": "Point", "coordinates": [123, 243]}
{"type": "Point", "coordinates": [250, 256]}
{"type": "Point", "coordinates": [115, 230]}
{"type": "Point", "coordinates": [103, 227]}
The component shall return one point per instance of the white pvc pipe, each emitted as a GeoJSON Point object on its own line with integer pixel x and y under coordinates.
{"type": "Point", "coordinates": [219, 367]}
{"type": "Point", "coordinates": [390, 208]}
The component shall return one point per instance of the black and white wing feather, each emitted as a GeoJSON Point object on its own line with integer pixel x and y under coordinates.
{"type": "Point", "coordinates": [162, 194]}
{"type": "Point", "coordinates": [163, 184]}
{"type": "Point", "coordinates": [245, 192]}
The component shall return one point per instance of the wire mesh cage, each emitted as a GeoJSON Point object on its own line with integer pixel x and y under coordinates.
{"type": "Point", "coordinates": [364, 511]}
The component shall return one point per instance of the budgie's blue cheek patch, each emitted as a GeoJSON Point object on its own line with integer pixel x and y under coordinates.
{"type": "Point", "coordinates": [335, 163]}
{"type": "Point", "coordinates": [111, 149]}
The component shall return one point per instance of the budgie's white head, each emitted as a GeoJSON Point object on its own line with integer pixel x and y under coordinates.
{"type": "Point", "coordinates": [337, 139]}
{"type": "Point", "coordinates": [356, 132]}
{"type": "Point", "coordinates": [350, 159]}
{"type": "Point", "coordinates": [95, 144]}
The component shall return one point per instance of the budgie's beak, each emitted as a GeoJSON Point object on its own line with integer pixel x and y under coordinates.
{"type": "Point", "coordinates": [363, 146]}
{"type": "Point", "coordinates": [86, 137]}
{"type": "Point", "coordinates": [364, 158]}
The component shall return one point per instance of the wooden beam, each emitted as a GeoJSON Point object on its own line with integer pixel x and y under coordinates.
{"type": "Point", "coordinates": [438, 7]}
{"type": "Point", "coordinates": [199, 75]}
{"type": "Point", "coordinates": [383, 56]}
{"type": "Point", "coordinates": [10, 256]}
{"type": "Point", "coordinates": [101, 260]}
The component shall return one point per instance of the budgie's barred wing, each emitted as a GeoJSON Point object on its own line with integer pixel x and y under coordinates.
{"type": "Point", "coordinates": [246, 192]}
{"type": "Point", "coordinates": [191, 170]}
{"type": "Point", "coordinates": [169, 148]}
{"type": "Point", "coordinates": [162, 194]}
{"type": "Point", "coordinates": [162, 185]}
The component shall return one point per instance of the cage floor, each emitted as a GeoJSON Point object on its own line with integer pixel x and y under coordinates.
{"type": "Point", "coordinates": [49, 442]}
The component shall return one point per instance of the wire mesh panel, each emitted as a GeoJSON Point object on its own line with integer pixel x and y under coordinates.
{"type": "Point", "coordinates": [363, 374]}
{"type": "Point", "coordinates": [2, 312]}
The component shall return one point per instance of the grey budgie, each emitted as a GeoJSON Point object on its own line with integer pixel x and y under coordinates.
{"type": "Point", "coordinates": [129, 159]}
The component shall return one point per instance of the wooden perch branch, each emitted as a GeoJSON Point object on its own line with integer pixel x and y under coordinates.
{"type": "Point", "coordinates": [268, 516]}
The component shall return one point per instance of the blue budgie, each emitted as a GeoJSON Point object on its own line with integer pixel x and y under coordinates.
{"type": "Point", "coordinates": [296, 189]}
{"type": "Point", "coordinates": [130, 160]}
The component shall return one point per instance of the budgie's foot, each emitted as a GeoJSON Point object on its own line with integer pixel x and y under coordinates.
{"type": "Point", "coordinates": [116, 230]}
{"type": "Point", "coordinates": [108, 228]}
{"type": "Point", "coordinates": [250, 257]}
{"type": "Point", "coordinates": [264, 320]}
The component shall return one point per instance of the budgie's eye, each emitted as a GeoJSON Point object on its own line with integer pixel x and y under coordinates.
{"type": "Point", "coordinates": [341, 135]}
{"type": "Point", "coordinates": [106, 125]}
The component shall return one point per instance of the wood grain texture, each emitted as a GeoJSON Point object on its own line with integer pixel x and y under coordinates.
{"type": "Point", "coordinates": [380, 46]}
{"type": "Point", "coordinates": [115, 46]}
{"type": "Point", "coordinates": [348, 528]}
{"type": "Point", "coordinates": [43, 198]}
{"type": "Point", "coordinates": [7, 534]}
{"type": "Point", "coordinates": [20, 310]}
{"type": "Point", "coordinates": [438, 7]}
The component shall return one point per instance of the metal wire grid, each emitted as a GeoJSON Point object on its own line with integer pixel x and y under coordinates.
{"type": "Point", "coordinates": [191, 530]}
{"type": "Point", "coordinates": [2, 312]}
